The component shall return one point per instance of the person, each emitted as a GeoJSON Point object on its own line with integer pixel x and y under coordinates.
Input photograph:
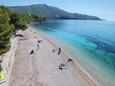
{"type": "Point", "coordinates": [69, 60]}
{"type": "Point", "coordinates": [32, 52]}
{"type": "Point", "coordinates": [53, 50]}
{"type": "Point", "coordinates": [39, 41]}
{"type": "Point", "coordinates": [59, 51]}
{"type": "Point", "coordinates": [38, 45]}
{"type": "Point", "coordinates": [60, 67]}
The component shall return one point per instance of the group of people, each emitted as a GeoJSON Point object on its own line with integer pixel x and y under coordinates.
{"type": "Point", "coordinates": [59, 50]}
{"type": "Point", "coordinates": [64, 66]}
{"type": "Point", "coordinates": [32, 51]}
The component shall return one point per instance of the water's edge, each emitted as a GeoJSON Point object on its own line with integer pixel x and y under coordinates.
{"type": "Point", "coordinates": [91, 54]}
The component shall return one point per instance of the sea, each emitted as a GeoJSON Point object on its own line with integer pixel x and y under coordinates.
{"type": "Point", "coordinates": [90, 42]}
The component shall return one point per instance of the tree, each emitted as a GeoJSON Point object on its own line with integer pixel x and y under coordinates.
{"type": "Point", "coordinates": [6, 29]}
{"type": "Point", "coordinates": [19, 21]}
{"type": "Point", "coordinates": [38, 18]}
{"type": "Point", "coordinates": [4, 15]}
{"type": "Point", "coordinates": [10, 21]}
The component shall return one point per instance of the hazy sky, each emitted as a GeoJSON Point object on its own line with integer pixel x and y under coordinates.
{"type": "Point", "coordinates": [101, 8]}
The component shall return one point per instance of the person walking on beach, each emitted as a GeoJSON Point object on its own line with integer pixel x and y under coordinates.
{"type": "Point", "coordinates": [59, 51]}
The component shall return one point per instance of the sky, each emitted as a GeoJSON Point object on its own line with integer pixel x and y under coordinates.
{"type": "Point", "coordinates": [104, 9]}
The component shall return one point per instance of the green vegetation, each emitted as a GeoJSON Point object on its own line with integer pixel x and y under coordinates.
{"type": "Point", "coordinates": [38, 18]}
{"type": "Point", "coordinates": [51, 12]}
{"type": "Point", "coordinates": [9, 22]}
{"type": "Point", "coordinates": [6, 29]}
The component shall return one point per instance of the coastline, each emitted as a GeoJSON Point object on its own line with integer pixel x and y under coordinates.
{"type": "Point", "coordinates": [37, 69]}
{"type": "Point", "coordinates": [74, 65]}
{"type": "Point", "coordinates": [86, 55]}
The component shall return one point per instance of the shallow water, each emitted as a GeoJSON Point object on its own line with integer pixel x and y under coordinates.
{"type": "Point", "coordinates": [93, 41]}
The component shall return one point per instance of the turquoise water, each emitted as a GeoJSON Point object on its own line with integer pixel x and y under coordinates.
{"type": "Point", "coordinates": [93, 41]}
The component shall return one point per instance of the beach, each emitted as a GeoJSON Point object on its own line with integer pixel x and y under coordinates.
{"type": "Point", "coordinates": [41, 67]}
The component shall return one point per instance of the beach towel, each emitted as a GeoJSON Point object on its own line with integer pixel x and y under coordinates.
{"type": "Point", "coordinates": [3, 75]}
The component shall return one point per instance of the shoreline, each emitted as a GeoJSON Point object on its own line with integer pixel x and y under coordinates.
{"type": "Point", "coordinates": [42, 67]}
{"type": "Point", "coordinates": [97, 70]}
{"type": "Point", "coordinates": [75, 66]}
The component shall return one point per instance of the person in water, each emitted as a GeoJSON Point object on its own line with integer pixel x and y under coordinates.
{"type": "Point", "coordinates": [59, 51]}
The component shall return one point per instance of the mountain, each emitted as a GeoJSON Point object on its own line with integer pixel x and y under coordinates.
{"type": "Point", "coordinates": [51, 12]}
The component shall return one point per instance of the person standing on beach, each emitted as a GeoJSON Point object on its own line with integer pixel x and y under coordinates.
{"type": "Point", "coordinates": [38, 45]}
{"type": "Point", "coordinates": [59, 51]}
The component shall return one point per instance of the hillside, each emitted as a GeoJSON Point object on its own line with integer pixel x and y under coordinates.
{"type": "Point", "coordinates": [52, 12]}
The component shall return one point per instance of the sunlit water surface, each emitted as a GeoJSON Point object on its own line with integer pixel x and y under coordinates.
{"type": "Point", "coordinates": [91, 43]}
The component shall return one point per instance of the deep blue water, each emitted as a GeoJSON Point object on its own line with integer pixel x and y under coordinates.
{"type": "Point", "coordinates": [95, 38]}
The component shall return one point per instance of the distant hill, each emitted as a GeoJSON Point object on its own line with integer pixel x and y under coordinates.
{"type": "Point", "coordinates": [52, 12]}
